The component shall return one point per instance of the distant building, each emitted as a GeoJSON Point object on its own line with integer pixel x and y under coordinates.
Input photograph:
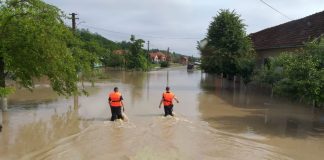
{"type": "Point", "coordinates": [289, 36]}
{"type": "Point", "coordinates": [184, 60]}
{"type": "Point", "coordinates": [120, 52]}
{"type": "Point", "coordinates": [157, 57]}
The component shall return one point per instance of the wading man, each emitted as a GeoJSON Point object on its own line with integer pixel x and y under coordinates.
{"type": "Point", "coordinates": [116, 104]}
{"type": "Point", "coordinates": [167, 100]}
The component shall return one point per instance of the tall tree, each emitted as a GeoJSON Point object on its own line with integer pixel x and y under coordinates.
{"type": "Point", "coordinates": [34, 42]}
{"type": "Point", "coordinates": [137, 58]}
{"type": "Point", "coordinates": [227, 44]}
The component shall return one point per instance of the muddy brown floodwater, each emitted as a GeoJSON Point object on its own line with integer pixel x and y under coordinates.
{"type": "Point", "coordinates": [211, 122]}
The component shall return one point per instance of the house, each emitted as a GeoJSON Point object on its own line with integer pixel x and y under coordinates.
{"type": "Point", "coordinates": [289, 36]}
{"type": "Point", "coordinates": [120, 52]}
{"type": "Point", "coordinates": [183, 60]}
{"type": "Point", "coordinates": [157, 57]}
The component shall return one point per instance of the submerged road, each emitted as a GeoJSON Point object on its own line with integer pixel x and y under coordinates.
{"type": "Point", "coordinates": [210, 123]}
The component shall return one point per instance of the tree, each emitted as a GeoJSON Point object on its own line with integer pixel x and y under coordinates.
{"type": "Point", "coordinates": [164, 64]}
{"type": "Point", "coordinates": [34, 42]}
{"type": "Point", "coordinates": [124, 45]}
{"type": "Point", "coordinates": [246, 66]}
{"type": "Point", "coordinates": [114, 60]}
{"type": "Point", "coordinates": [302, 80]}
{"type": "Point", "coordinates": [271, 73]}
{"type": "Point", "coordinates": [227, 44]}
{"type": "Point", "coordinates": [298, 75]}
{"type": "Point", "coordinates": [137, 58]}
{"type": "Point", "coordinates": [101, 48]}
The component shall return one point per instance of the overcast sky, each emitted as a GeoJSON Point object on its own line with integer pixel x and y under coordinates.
{"type": "Point", "coordinates": [177, 24]}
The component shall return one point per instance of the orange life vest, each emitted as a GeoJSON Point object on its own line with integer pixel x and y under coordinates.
{"type": "Point", "coordinates": [115, 99]}
{"type": "Point", "coordinates": [167, 98]}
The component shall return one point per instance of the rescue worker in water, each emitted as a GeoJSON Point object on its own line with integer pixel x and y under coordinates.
{"type": "Point", "coordinates": [116, 104]}
{"type": "Point", "coordinates": [167, 100]}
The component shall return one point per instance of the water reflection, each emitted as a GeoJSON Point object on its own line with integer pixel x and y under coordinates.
{"type": "Point", "coordinates": [213, 121]}
{"type": "Point", "coordinates": [243, 108]}
{"type": "Point", "coordinates": [4, 134]}
{"type": "Point", "coordinates": [44, 94]}
{"type": "Point", "coordinates": [135, 79]}
{"type": "Point", "coordinates": [38, 133]}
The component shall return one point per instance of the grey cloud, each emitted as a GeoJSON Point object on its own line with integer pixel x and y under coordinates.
{"type": "Point", "coordinates": [178, 18]}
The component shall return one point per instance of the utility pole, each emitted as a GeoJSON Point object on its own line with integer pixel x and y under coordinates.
{"type": "Point", "coordinates": [147, 76]}
{"type": "Point", "coordinates": [148, 52]}
{"type": "Point", "coordinates": [75, 94]}
{"type": "Point", "coordinates": [168, 77]}
{"type": "Point", "coordinates": [148, 46]}
{"type": "Point", "coordinates": [168, 69]}
{"type": "Point", "coordinates": [168, 52]}
{"type": "Point", "coordinates": [73, 21]}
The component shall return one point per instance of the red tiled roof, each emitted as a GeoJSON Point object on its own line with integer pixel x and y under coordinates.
{"type": "Point", "coordinates": [159, 54]}
{"type": "Point", "coordinates": [119, 52]}
{"type": "Point", "coordinates": [291, 34]}
{"type": "Point", "coordinates": [184, 57]}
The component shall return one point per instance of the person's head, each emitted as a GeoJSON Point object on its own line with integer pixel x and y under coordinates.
{"type": "Point", "coordinates": [116, 89]}
{"type": "Point", "coordinates": [167, 88]}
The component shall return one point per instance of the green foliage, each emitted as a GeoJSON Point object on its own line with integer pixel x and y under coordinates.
{"type": "Point", "coordinates": [4, 92]}
{"type": "Point", "coordinates": [298, 75]}
{"type": "Point", "coordinates": [228, 49]}
{"type": "Point", "coordinates": [34, 42]}
{"type": "Point", "coordinates": [301, 78]}
{"type": "Point", "coordinates": [246, 66]}
{"type": "Point", "coordinates": [103, 42]}
{"type": "Point", "coordinates": [124, 45]}
{"type": "Point", "coordinates": [226, 32]}
{"type": "Point", "coordinates": [192, 59]}
{"type": "Point", "coordinates": [137, 59]}
{"type": "Point", "coordinates": [211, 61]}
{"type": "Point", "coordinates": [271, 73]}
{"type": "Point", "coordinates": [99, 47]}
{"type": "Point", "coordinates": [175, 57]}
{"type": "Point", "coordinates": [164, 64]}
{"type": "Point", "coordinates": [114, 60]}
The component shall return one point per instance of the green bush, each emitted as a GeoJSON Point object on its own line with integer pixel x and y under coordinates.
{"type": "Point", "coordinates": [4, 92]}
{"type": "Point", "coordinates": [298, 75]}
{"type": "Point", "coordinates": [164, 64]}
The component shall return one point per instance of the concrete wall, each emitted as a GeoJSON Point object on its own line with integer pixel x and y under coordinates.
{"type": "Point", "coordinates": [263, 54]}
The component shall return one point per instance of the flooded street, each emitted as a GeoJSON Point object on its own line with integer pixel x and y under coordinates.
{"type": "Point", "coordinates": [210, 122]}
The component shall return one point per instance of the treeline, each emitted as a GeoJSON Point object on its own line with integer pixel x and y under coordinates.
{"type": "Point", "coordinates": [35, 42]}
{"type": "Point", "coordinates": [125, 54]}
{"type": "Point", "coordinates": [228, 51]}
{"type": "Point", "coordinates": [130, 55]}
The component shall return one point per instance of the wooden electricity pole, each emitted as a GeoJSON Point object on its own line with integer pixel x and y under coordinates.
{"type": "Point", "coordinates": [74, 21]}
{"type": "Point", "coordinates": [75, 94]}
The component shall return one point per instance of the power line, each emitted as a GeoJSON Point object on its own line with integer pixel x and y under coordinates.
{"type": "Point", "coordinates": [275, 9]}
{"type": "Point", "coordinates": [175, 49]}
{"type": "Point", "coordinates": [124, 33]}
{"type": "Point", "coordinates": [142, 35]}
